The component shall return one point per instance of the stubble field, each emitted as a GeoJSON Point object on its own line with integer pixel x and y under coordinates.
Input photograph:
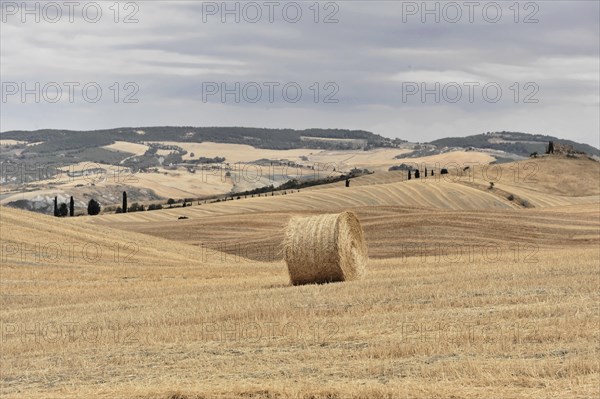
{"type": "Point", "coordinates": [462, 298]}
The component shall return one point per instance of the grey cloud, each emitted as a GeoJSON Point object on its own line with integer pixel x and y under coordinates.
{"type": "Point", "coordinates": [369, 54]}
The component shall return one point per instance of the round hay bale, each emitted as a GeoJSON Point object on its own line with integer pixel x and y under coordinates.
{"type": "Point", "coordinates": [325, 249]}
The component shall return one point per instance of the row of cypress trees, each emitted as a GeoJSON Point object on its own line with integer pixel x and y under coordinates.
{"type": "Point", "coordinates": [63, 210]}
{"type": "Point", "coordinates": [418, 173]}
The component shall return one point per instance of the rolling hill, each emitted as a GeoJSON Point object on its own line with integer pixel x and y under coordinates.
{"type": "Point", "coordinates": [154, 164]}
{"type": "Point", "coordinates": [512, 142]}
{"type": "Point", "coordinates": [387, 202]}
{"type": "Point", "coordinates": [501, 301]}
{"type": "Point", "coordinates": [54, 140]}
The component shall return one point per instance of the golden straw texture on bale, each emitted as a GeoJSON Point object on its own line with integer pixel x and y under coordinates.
{"type": "Point", "coordinates": [325, 249]}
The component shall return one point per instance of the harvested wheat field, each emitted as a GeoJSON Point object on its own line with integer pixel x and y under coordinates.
{"type": "Point", "coordinates": [442, 210]}
{"type": "Point", "coordinates": [299, 200]}
{"type": "Point", "coordinates": [466, 294]}
{"type": "Point", "coordinates": [237, 152]}
{"type": "Point", "coordinates": [124, 146]}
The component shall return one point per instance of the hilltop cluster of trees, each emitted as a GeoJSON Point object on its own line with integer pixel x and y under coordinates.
{"type": "Point", "coordinates": [201, 160]}
{"type": "Point", "coordinates": [401, 167]}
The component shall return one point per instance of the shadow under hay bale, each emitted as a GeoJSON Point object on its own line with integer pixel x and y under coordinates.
{"type": "Point", "coordinates": [325, 249]}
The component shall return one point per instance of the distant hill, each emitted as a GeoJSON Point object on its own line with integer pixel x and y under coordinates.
{"type": "Point", "coordinates": [513, 142]}
{"type": "Point", "coordinates": [49, 141]}
{"type": "Point", "coordinates": [280, 139]}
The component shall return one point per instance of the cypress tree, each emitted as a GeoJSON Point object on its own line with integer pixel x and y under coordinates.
{"type": "Point", "coordinates": [409, 176]}
{"type": "Point", "coordinates": [417, 174]}
{"type": "Point", "coordinates": [124, 202]}
{"type": "Point", "coordinates": [72, 207]}
{"type": "Point", "coordinates": [55, 206]}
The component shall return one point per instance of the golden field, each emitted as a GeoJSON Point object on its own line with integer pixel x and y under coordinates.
{"type": "Point", "coordinates": [180, 183]}
{"type": "Point", "coordinates": [379, 159]}
{"type": "Point", "coordinates": [468, 294]}
{"type": "Point", "coordinates": [125, 146]}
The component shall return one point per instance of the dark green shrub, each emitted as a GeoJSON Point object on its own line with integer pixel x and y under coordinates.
{"type": "Point", "coordinates": [93, 207]}
{"type": "Point", "coordinates": [63, 210]}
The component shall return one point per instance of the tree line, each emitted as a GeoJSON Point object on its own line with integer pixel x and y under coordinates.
{"type": "Point", "coordinates": [64, 210]}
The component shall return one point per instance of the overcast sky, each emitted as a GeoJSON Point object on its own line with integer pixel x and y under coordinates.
{"type": "Point", "coordinates": [359, 65]}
